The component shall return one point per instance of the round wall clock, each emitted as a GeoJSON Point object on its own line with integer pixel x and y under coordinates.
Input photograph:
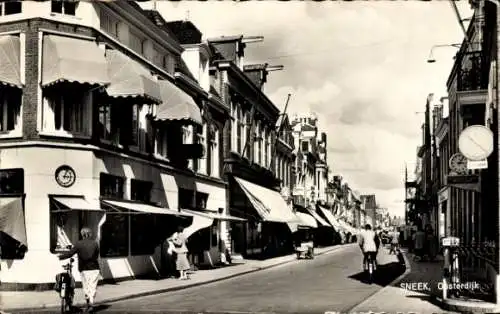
{"type": "Point", "coordinates": [458, 163]}
{"type": "Point", "coordinates": [65, 176]}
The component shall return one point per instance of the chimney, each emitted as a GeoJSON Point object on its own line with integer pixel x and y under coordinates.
{"type": "Point", "coordinates": [186, 32]}
{"type": "Point", "coordinates": [257, 73]}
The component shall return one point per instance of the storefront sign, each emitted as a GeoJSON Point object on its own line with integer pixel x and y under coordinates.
{"type": "Point", "coordinates": [477, 164]}
{"type": "Point", "coordinates": [464, 182]}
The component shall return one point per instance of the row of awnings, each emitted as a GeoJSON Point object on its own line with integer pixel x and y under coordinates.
{"type": "Point", "coordinates": [66, 59]}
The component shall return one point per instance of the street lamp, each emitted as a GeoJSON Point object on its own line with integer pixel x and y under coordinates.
{"type": "Point", "coordinates": [431, 59]}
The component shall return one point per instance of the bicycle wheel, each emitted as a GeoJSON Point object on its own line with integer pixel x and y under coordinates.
{"type": "Point", "coordinates": [370, 273]}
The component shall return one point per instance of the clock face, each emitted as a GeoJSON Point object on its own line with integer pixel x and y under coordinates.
{"type": "Point", "coordinates": [458, 163]}
{"type": "Point", "coordinates": [65, 176]}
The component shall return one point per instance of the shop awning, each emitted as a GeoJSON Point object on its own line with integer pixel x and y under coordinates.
{"type": "Point", "coordinates": [304, 221]}
{"type": "Point", "coordinates": [321, 221]}
{"type": "Point", "coordinates": [74, 203]}
{"type": "Point", "coordinates": [268, 203]}
{"type": "Point", "coordinates": [68, 59]}
{"type": "Point", "coordinates": [10, 61]}
{"type": "Point", "coordinates": [212, 215]}
{"type": "Point", "coordinates": [130, 79]}
{"type": "Point", "coordinates": [176, 104]}
{"type": "Point", "coordinates": [331, 219]}
{"type": "Point", "coordinates": [199, 223]}
{"type": "Point", "coordinates": [144, 208]}
{"type": "Point", "coordinates": [12, 220]}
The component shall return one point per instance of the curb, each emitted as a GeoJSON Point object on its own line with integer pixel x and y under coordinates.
{"type": "Point", "coordinates": [392, 283]}
{"type": "Point", "coordinates": [468, 306]}
{"type": "Point", "coordinates": [170, 289]}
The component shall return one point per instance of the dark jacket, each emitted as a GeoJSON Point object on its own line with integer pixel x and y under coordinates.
{"type": "Point", "coordinates": [88, 254]}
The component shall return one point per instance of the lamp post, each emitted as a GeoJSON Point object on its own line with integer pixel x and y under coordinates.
{"type": "Point", "coordinates": [431, 59]}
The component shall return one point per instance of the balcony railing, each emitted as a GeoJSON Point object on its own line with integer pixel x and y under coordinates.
{"type": "Point", "coordinates": [474, 73]}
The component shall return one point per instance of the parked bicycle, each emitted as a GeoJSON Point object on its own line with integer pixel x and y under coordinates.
{"type": "Point", "coordinates": [65, 286]}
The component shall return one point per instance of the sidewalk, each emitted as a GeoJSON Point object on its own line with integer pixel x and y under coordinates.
{"type": "Point", "coordinates": [413, 292]}
{"type": "Point", "coordinates": [31, 300]}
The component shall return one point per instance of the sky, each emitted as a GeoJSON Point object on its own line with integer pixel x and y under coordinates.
{"type": "Point", "coordinates": [360, 66]}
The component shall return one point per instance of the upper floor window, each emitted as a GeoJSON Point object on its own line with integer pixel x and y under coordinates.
{"type": "Point", "coordinates": [109, 24]}
{"type": "Point", "coordinates": [10, 109]}
{"type": "Point", "coordinates": [305, 146]}
{"type": "Point", "coordinates": [239, 130]}
{"type": "Point", "coordinates": [186, 199]}
{"type": "Point", "coordinates": [136, 43]}
{"type": "Point", "coordinates": [67, 109]}
{"type": "Point", "coordinates": [140, 190]}
{"type": "Point", "coordinates": [10, 7]}
{"type": "Point", "coordinates": [267, 149]}
{"type": "Point", "coordinates": [66, 7]}
{"type": "Point", "coordinates": [111, 186]}
{"type": "Point", "coordinates": [161, 143]}
{"type": "Point", "coordinates": [201, 138]}
{"type": "Point", "coordinates": [214, 153]}
{"type": "Point", "coordinates": [12, 181]}
{"type": "Point", "coordinates": [158, 57]}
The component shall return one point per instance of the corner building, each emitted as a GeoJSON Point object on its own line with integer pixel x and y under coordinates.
{"type": "Point", "coordinates": [100, 123]}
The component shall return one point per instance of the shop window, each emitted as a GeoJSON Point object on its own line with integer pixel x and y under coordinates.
{"type": "Point", "coordinates": [305, 146]}
{"type": "Point", "coordinates": [186, 198]}
{"type": "Point", "coordinates": [140, 190]}
{"type": "Point", "coordinates": [67, 7]}
{"type": "Point", "coordinates": [10, 7]}
{"type": "Point", "coordinates": [12, 181]}
{"type": "Point", "coordinates": [66, 223]}
{"type": "Point", "coordinates": [143, 235]}
{"type": "Point", "coordinates": [115, 234]}
{"type": "Point", "coordinates": [10, 109]}
{"type": "Point", "coordinates": [111, 186]}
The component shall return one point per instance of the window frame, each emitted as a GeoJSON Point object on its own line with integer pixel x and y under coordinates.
{"type": "Point", "coordinates": [3, 7]}
{"type": "Point", "coordinates": [6, 106]}
{"type": "Point", "coordinates": [137, 186]}
{"type": "Point", "coordinates": [120, 186]}
{"type": "Point", "coordinates": [20, 181]}
{"type": "Point", "coordinates": [63, 8]}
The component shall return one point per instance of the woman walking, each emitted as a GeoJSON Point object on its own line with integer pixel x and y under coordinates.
{"type": "Point", "coordinates": [182, 263]}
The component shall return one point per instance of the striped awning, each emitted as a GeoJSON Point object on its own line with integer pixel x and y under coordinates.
{"type": "Point", "coordinates": [67, 59]}
{"type": "Point", "coordinates": [10, 61]}
{"type": "Point", "coordinates": [12, 220]}
{"type": "Point", "coordinates": [129, 79]}
{"type": "Point", "coordinates": [176, 104]}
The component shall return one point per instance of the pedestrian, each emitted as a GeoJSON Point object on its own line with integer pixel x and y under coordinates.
{"type": "Point", "coordinates": [431, 244]}
{"type": "Point", "coordinates": [87, 250]}
{"type": "Point", "coordinates": [394, 242]}
{"type": "Point", "coordinates": [182, 263]}
{"type": "Point", "coordinates": [419, 242]}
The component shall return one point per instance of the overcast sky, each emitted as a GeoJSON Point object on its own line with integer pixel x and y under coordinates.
{"type": "Point", "coordinates": [360, 66]}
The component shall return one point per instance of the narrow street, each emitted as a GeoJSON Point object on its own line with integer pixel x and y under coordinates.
{"type": "Point", "coordinates": [330, 282]}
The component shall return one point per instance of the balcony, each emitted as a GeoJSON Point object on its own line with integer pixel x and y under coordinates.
{"type": "Point", "coordinates": [472, 79]}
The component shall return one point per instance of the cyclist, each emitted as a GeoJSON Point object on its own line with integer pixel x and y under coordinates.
{"type": "Point", "coordinates": [369, 243]}
{"type": "Point", "coordinates": [87, 250]}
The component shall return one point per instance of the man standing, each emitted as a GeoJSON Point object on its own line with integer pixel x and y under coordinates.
{"type": "Point", "coordinates": [87, 250]}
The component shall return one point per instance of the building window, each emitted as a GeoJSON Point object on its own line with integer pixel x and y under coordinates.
{"type": "Point", "coordinates": [64, 7]}
{"type": "Point", "coordinates": [201, 138]}
{"type": "Point", "coordinates": [111, 186]}
{"type": "Point", "coordinates": [214, 153]}
{"type": "Point", "coordinates": [10, 7]}
{"type": "Point", "coordinates": [201, 200]}
{"type": "Point", "coordinates": [158, 57]}
{"type": "Point", "coordinates": [136, 43]}
{"type": "Point", "coordinates": [267, 145]}
{"type": "Point", "coordinates": [11, 185]}
{"type": "Point", "coordinates": [305, 146]}
{"type": "Point", "coordinates": [240, 130]}
{"type": "Point", "coordinates": [161, 143]}
{"type": "Point", "coordinates": [108, 24]}
{"type": "Point", "coordinates": [186, 199]}
{"type": "Point", "coordinates": [123, 124]}
{"type": "Point", "coordinates": [140, 190]}
{"type": "Point", "coordinates": [115, 233]}
{"type": "Point", "coordinates": [10, 109]}
{"type": "Point", "coordinates": [67, 110]}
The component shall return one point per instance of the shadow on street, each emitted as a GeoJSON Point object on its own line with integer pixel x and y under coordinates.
{"type": "Point", "coordinates": [384, 274]}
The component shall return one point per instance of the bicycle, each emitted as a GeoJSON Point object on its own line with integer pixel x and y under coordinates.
{"type": "Point", "coordinates": [65, 285]}
{"type": "Point", "coordinates": [370, 267]}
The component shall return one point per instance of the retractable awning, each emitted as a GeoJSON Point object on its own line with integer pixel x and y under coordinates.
{"type": "Point", "coordinates": [12, 220]}
{"type": "Point", "coordinates": [130, 79]}
{"type": "Point", "coordinates": [331, 219]}
{"type": "Point", "coordinates": [268, 203]}
{"type": "Point", "coordinates": [67, 59]}
{"type": "Point", "coordinates": [144, 208]}
{"type": "Point", "coordinates": [10, 61]}
{"type": "Point", "coordinates": [176, 104]}
{"type": "Point", "coordinates": [213, 215]}
{"type": "Point", "coordinates": [67, 203]}
{"type": "Point", "coordinates": [304, 221]}
{"type": "Point", "coordinates": [321, 221]}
